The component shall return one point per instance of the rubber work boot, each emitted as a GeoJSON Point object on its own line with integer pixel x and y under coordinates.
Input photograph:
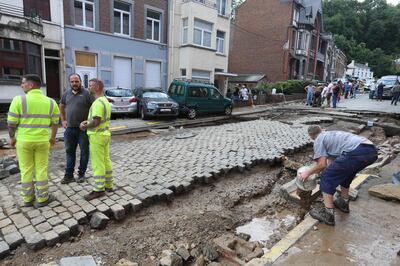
{"type": "Point", "coordinates": [341, 204]}
{"type": "Point", "coordinates": [94, 195]}
{"type": "Point", "coordinates": [67, 179]}
{"type": "Point", "coordinates": [29, 204]}
{"type": "Point", "coordinates": [323, 216]}
{"type": "Point", "coordinates": [45, 203]}
{"type": "Point", "coordinates": [109, 189]}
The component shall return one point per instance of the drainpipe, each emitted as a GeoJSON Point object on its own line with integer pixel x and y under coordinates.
{"type": "Point", "coordinates": [316, 48]}
{"type": "Point", "coordinates": [171, 40]}
{"type": "Point", "coordinates": [62, 51]}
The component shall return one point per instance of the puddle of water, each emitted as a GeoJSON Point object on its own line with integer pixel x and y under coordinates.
{"type": "Point", "coordinates": [261, 229]}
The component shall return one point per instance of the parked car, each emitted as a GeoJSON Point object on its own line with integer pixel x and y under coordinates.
{"type": "Point", "coordinates": [389, 82]}
{"type": "Point", "coordinates": [196, 98]}
{"type": "Point", "coordinates": [121, 100]}
{"type": "Point", "coordinates": [155, 102]}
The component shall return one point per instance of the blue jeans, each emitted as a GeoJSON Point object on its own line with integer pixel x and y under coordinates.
{"type": "Point", "coordinates": [72, 137]}
{"type": "Point", "coordinates": [343, 170]}
{"type": "Point", "coordinates": [334, 100]}
{"type": "Point", "coordinates": [309, 98]}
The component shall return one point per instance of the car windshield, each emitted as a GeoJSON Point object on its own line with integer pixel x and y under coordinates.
{"type": "Point", "coordinates": [154, 94]}
{"type": "Point", "coordinates": [119, 93]}
{"type": "Point", "coordinates": [388, 82]}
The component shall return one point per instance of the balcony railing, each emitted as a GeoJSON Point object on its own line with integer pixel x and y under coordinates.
{"type": "Point", "coordinates": [208, 3]}
{"type": "Point", "coordinates": [320, 57]}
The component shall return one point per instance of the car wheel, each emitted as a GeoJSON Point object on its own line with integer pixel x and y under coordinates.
{"type": "Point", "coordinates": [228, 110]}
{"type": "Point", "coordinates": [192, 113]}
{"type": "Point", "coordinates": [143, 114]}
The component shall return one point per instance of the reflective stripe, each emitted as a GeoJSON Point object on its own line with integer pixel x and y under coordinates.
{"type": "Point", "coordinates": [34, 116]}
{"type": "Point", "coordinates": [42, 183]}
{"type": "Point", "coordinates": [42, 190]}
{"type": "Point", "coordinates": [105, 111]}
{"type": "Point", "coordinates": [27, 185]}
{"type": "Point", "coordinates": [43, 195]}
{"type": "Point", "coordinates": [99, 177]}
{"type": "Point", "coordinates": [98, 130]}
{"type": "Point", "coordinates": [51, 107]}
{"type": "Point", "coordinates": [23, 102]}
{"type": "Point", "coordinates": [55, 116]}
{"type": "Point", "coordinates": [33, 126]}
{"type": "Point", "coordinates": [28, 192]}
{"type": "Point", "coordinates": [13, 114]}
{"type": "Point", "coordinates": [12, 122]}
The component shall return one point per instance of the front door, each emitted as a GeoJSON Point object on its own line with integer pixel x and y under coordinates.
{"type": "Point", "coordinates": [122, 72]}
{"type": "Point", "coordinates": [53, 78]}
{"type": "Point", "coordinates": [86, 73]}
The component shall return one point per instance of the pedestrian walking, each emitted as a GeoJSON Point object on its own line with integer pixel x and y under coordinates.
{"type": "Point", "coordinates": [335, 94]}
{"type": "Point", "coordinates": [347, 89]}
{"type": "Point", "coordinates": [396, 93]}
{"type": "Point", "coordinates": [310, 88]}
{"type": "Point", "coordinates": [351, 154]}
{"type": "Point", "coordinates": [29, 120]}
{"type": "Point", "coordinates": [329, 94]}
{"type": "Point", "coordinates": [244, 92]}
{"type": "Point", "coordinates": [324, 94]}
{"type": "Point", "coordinates": [317, 96]}
{"type": "Point", "coordinates": [74, 107]}
{"type": "Point", "coordinates": [380, 91]}
{"type": "Point", "coordinates": [98, 130]}
{"type": "Point", "coordinates": [354, 89]}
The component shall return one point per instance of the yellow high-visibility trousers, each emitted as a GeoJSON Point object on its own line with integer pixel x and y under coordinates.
{"type": "Point", "coordinates": [33, 158]}
{"type": "Point", "coordinates": [101, 162]}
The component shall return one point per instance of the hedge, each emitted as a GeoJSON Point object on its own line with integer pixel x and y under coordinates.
{"type": "Point", "coordinates": [287, 87]}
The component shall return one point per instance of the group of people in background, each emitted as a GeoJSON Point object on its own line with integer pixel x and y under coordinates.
{"type": "Point", "coordinates": [395, 92]}
{"type": "Point", "coordinates": [242, 94]}
{"type": "Point", "coordinates": [329, 94]}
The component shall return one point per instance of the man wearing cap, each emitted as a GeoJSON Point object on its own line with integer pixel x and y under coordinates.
{"type": "Point", "coordinates": [349, 154]}
{"type": "Point", "coordinates": [29, 121]}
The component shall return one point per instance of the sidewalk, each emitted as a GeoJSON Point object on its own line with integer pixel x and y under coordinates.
{"type": "Point", "coordinates": [369, 235]}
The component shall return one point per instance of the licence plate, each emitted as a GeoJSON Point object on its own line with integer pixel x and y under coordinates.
{"type": "Point", "coordinates": [165, 110]}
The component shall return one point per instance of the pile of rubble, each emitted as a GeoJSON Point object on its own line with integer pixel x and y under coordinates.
{"type": "Point", "coordinates": [8, 166]}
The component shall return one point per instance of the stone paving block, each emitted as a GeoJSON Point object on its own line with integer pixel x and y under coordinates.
{"type": "Point", "coordinates": [127, 197]}
{"type": "Point", "coordinates": [125, 204]}
{"type": "Point", "coordinates": [64, 216]}
{"type": "Point", "coordinates": [68, 203]}
{"type": "Point", "coordinates": [136, 205]}
{"type": "Point", "coordinates": [81, 217]}
{"type": "Point", "coordinates": [35, 241]}
{"type": "Point", "coordinates": [11, 211]}
{"type": "Point", "coordinates": [5, 222]}
{"type": "Point", "coordinates": [38, 220]}
{"type": "Point", "coordinates": [74, 209]}
{"type": "Point", "coordinates": [78, 261]}
{"type": "Point", "coordinates": [8, 229]}
{"type": "Point", "coordinates": [103, 208]}
{"type": "Point", "coordinates": [43, 227]}
{"type": "Point", "coordinates": [88, 208]}
{"type": "Point", "coordinates": [118, 212]}
{"type": "Point", "coordinates": [4, 250]}
{"type": "Point", "coordinates": [54, 204]}
{"type": "Point", "coordinates": [114, 197]}
{"type": "Point", "coordinates": [33, 213]}
{"type": "Point", "coordinates": [95, 202]}
{"type": "Point", "coordinates": [51, 238]}
{"type": "Point", "coordinates": [55, 220]}
{"type": "Point", "coordinates": [19, 220]}
{"type": "Point", "coordinates": [109, 202]}
{"type": "Point", "coordinates": [72, 225]}
{"type": "Point", "coordinates": [14, 239]}
{"type": "Point", "coordinates": [49, 214]}
{"type": "Point", "coordinates": [99, 220]}
{"type": "Point", "coordinates": [63, 231]}
{"type": "Point", "coordinates": [2, 215]}
{"type": "Point", "coordinates": [59, 209]}
{"type": "Point", "coordinates": [26, 231]}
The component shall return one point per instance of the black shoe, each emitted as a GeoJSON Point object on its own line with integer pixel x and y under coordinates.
{"type": "Point", "coordinates": [341, 204]}
{"type": "Point", "coordinates": [109, 189]}
{"type": "Point", "coordinates": [29, 204]}
{"type": "Point", "coordinates": [67, 179]}
{"type": "Point", "coordinates": [81, 178]}
{"type": "Point", "coordinates": [323, 216]}
{"type": "Point", "coordinates": [94, 195]}
{"type": "Point", "coordinates": [45, 203]}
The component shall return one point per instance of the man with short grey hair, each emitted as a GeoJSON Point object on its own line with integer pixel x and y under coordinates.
{"type": "Point", "coordinates": [74, 108]}
{"type": "Point", "coordinates": [349, 154]}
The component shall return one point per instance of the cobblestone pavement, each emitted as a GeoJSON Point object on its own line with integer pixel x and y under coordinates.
{"type": "Point", "coordinates": [145, 171]}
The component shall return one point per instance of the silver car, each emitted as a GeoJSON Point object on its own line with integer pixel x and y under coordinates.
{"type": "Point", "coordinates": [121, 100]}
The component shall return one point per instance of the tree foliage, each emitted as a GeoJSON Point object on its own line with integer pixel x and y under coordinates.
{"type": "Point", "coordinates": [367, 31]}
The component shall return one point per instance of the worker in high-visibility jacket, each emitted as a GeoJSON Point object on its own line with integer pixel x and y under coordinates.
{"type": "Point", "coordinates": [98, 130]}
{"type": "Point", "coordinates": [29, 119]}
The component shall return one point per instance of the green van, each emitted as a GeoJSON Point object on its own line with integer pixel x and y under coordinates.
{"type": "Point", "coordinates": [196, 98]}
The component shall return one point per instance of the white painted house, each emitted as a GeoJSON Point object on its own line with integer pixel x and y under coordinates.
{"type": "Point", "coordinates": [199, 40]}
{"type": "Point", "coordinates": [361, 71]}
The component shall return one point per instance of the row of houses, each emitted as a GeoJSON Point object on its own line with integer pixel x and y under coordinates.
{"type": "Point", "coordinates": [148, 43]}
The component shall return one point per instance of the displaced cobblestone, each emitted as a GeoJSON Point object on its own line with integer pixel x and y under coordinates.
{"type": "Point", "coordinates": [144, 171]}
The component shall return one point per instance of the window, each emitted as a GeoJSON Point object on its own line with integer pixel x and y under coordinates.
{"type": "Point", "coordinates": [198, 92]}
{"type": "Point", "coordinates": [14, 45]}
{"type": "Point", "coordinates": [201, 74]}
{"type": "Point", "coordinates": [13, 73]}
{"type": "Point", "coordinates": [122, 18]}
{"type": "Point", "coordinates": [221, 6]}
{"type": "Point", "coordinates": [300, 41]}
{"type": "Point", "coordinates": [220, 42]}
{"type": "Point", "coordinates": [185, 30]}
{"type": "Point", "coordinates": [296, 15]}
{"type": "Point", "coordinates": [34, 58]}
{"type": "Point", "coordinates": [294, 33]}
{"type": "Point", "coordinates": [177, 90]}
{"type": "Point", "coordinates": [153, 26]}
{"type": "Point", "coordinates": [215, 94]}
{"type": "Point", "coordinates": [84, 13]}
{"type": "Point", "coordinates": [183, 72]}
{"type": "Point", "coordinates": [34, 8]}
{"type": "Point", "coordinates": [202, 33]}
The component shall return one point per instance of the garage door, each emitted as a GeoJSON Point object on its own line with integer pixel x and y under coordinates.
{"type": "Point", "coordinates": [153, 75]}
{"type": "Point", "coordinates": [122, 72]}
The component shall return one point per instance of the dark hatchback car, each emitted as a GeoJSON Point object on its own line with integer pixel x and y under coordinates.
{"type": "Point", "coordinates": [155, 103]}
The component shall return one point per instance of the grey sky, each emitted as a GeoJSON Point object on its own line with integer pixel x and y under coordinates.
{"type": "Point", "coordinates": [395, 2]}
